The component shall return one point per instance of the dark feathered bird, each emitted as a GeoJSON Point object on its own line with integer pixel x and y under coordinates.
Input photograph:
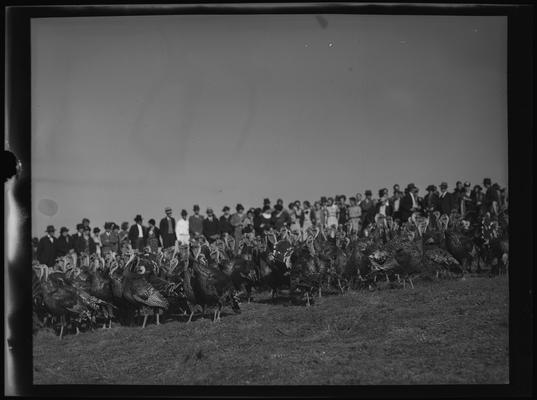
{"type": "Point", "coordinates": [211, 287]}
{"type": "Point", "coordinates": [138, 291]}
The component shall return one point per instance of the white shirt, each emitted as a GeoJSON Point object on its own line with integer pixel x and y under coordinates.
{"type": "Point", "coordinates": [140, 231]}
{"type": "Point", "coordinates": [181, 227]}
{"type": "Point", "coordinates": [396, 204]}
{"type": "Point", "coordinates": [382, 209]}
{"type": "Point", "coordinates": [414, 204]}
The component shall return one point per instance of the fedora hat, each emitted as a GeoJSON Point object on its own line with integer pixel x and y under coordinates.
{"type": "Point", "coordinates": [50, 228]}
{"type": "Point", "coordinates": [443, 185]}
{"type": "Point", "coordinates": [431, 188]}
{"type": "Point", "coordinates": [138, 218]}
{"type": "Point", "coordinates": [64, 229]}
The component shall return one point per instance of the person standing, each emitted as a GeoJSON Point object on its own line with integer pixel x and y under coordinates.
{"type": "Point", "coordinates": [368, 209]}
{"type": "Point", "coordinates": [195, 222]}
{"type": "Point", "coordinates": [124, 232]}
{"type": "Point", "coordinates": [237, 221]}
{"type": "Point", "coordinates": [225, 222]}
{"type": "Point", "coordinates": [491, 196]}
{"type": "Point", "coordinates": [431, 200]}
{"type": "Point", "coordinates": [211, 226]}
{"type": "Point", "coordinates": [446, 201]}
{"type": "Point", "coordinates": [97, 240]}
{"type": "Point", "coordinates": [355, 212]}
{"type": "Point", "coordinates": [88, 244]}
{"type": "Point", "coordinates": [46, 250]}
{"type": "Point", "coordinates": [457, 195]}
{"type": "Point", "coordinates": [248, 224]}
{"type": "Point", "coordinates": [319, 213]}
{"type": "Point", "coordinates": [109, 239]}
{"type": "Point", "coordinates": [64, 244]}
{"type": "Point", "coordinates": [138, 234]}
{"type": "Point", "coordinates": [265, 221]}
{"type": "Point", "coordinates": [332, 212]}
{"type": "Point", "coordinates": [307, 217]}
{"type": "Point", "coordinates": [383, 206]}
{"type": "Point", "coordinates": [343, 216]}
{"type": "Point", "coordinates": [280, 217]}
{"type": "Point", "coordinates": [153, 236]}
{"type": "Point", "coordinates": [78, 239]}
{"type": "Point", "coordinates": [182, 229]}
{"type": "Point", "coordinates": [396, 204]}
{"type": "Point", "coordinates": [409, 202]}
{"type": "Point", "coordinates": [167, 229]}
{"type": "Point", "coordinates": [466, 201]}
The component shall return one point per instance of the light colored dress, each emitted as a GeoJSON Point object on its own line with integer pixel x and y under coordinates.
{"type": "Point", "coordinates": [307, 220]}
{"type": "Point", "coordinates": [152, 240]}
{"type": "Point", "coordinates": [182, 231]}
{"type": "Point", "coordinates": [354, 218]}
{"type": "Point", "coordinates": [332, 215]}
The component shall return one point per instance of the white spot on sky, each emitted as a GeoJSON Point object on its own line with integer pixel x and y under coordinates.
{"type": "Point", "coordinates": [330, 44]}
{"type": "Point", "coordinates": [475, 29]}
{"type": "Point", "coordinates": [402, 41]}
{"type": "Point", "coordinates": [306, 45]}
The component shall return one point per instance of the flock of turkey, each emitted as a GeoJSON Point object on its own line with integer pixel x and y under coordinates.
{"type": "Point", "coordinates": [89, 291]}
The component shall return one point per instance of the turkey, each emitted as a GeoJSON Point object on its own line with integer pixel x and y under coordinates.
{"type": "Point", "coordinates": [61, 299]}
{"type": "Point", "coordinates": [206, 285]}
{"type": "Point", "coordinates": [403, 255]}
{"type": "Point", "coordinates": [459, 244]}
{"type": "Point", "coordinates": [140, 293]}
{"type": "Point", "coordinates": [171, 287]}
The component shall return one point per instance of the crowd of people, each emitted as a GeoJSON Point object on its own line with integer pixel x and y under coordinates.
{"type": "Point", "coordinates": [351, 214]}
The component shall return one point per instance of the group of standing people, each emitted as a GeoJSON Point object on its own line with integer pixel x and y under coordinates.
{"type": "Point", "coordinates": [352, 217]}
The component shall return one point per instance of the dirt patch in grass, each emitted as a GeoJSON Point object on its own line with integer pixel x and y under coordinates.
{"type": "Point", "coordinates": [444, 332]}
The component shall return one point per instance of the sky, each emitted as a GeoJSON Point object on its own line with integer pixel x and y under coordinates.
{"type": "Point", "coordinates": [132, 114]}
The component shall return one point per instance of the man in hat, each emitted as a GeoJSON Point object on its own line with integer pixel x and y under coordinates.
{"type": "Point", "coordinates": [167, 229]}
{"type": "Point", "coordinates": [446, 201]}
{"type": "Point", "coordinates": [109, 240]}
{"type": "Point", "coordinates": [195, 222]}
{"type": "Point", "coordinates": [409, 202]}
{"type": "Point", "coordinates": [431, 200]}
{"type": "Point", "coordinates": [266, 202]}
{"type": "Point", "coordinates": [64, 244]}
{"type": "Point", "coordinates": [138, 234]}
{"type": "Point", "coordinates": [225, 222]}
{"type": "Point", "coordinates": [46, 250]}
{"type": "Point", "coordinates": [383, 206]}
{"type": "Point", "coordinates": [211, 226]}
{"type": "Point", "coordinates": [78, 239]}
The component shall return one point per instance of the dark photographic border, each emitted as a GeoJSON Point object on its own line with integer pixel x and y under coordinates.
{"type": "Point", "coordinates": [17, 18]}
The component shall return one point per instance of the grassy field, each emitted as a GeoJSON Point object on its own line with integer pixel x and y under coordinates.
{"type": "Point", "coordinates": [444, 332]}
